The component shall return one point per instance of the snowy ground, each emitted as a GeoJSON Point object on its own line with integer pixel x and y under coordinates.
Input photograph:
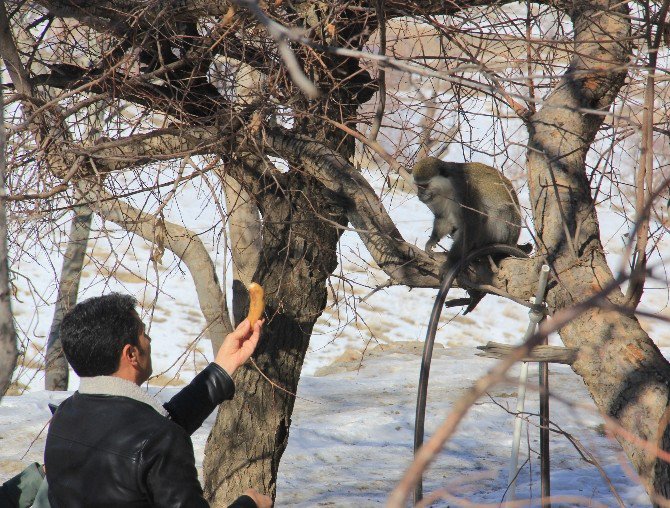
{"type": "Point", "coordinates": [352, 432]}
{"type": "Point", "coordinates": [352, 428]}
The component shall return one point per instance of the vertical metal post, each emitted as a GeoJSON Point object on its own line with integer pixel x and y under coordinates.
{"type": "Point", "coordinates": [534, 317]}
{"type": "Point", "coordinates": [544, 434]}
{"type": "Point", "coordinates": [422, 394]}
{"type": "Point", "coordinates": [516, 440]}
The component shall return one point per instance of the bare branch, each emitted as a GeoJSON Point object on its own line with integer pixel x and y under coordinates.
{"type": "Point", "coordinates": [56, 368]}
{"type": "Point", "coordinates": [281, 36]}
{"type": "Point", "coordinates": [185, 244]}
{"type": "Point", "coordinates": [244, 226]}
{"type": "Point", "coordinates": [644, 182]}
{"type": "Point", "coordinates": [404, 263]}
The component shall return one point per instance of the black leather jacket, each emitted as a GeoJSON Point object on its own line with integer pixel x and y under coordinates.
{"type": "Point", "coordinates": [113, 451]}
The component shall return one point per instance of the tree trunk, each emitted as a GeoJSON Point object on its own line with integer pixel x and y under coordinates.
{"type": "Point", "coordinates": [251, 431]}
{"type": "Point", "coordinates": [622, 368]}
{"type": "Point", "coordinates": [57, 370]}
{"type": "Point", "coordinates": [299, 253]}
{"type": "Point", "coordinates": [8, 350]}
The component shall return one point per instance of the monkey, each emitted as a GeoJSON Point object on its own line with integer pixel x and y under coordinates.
{"type": "Point", "coordinates": [472, 202]}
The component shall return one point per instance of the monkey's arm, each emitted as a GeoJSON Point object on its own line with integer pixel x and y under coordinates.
{"type": "Point", "coordinates": [442, 226]}
{"type": "Point", "coordinates": [432, 242]}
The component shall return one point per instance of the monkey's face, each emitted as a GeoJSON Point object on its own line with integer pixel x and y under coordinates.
{"type": "Point", "coordinates": [423, 189]}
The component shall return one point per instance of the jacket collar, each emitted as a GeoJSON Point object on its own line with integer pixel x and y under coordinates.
{"type": "Point", "coordinates": [117, 387]}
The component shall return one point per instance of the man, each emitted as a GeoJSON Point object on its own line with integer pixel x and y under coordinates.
{"type": "Point", "coordinates": [111, 444]}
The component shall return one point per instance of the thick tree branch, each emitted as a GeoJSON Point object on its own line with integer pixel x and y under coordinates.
{"type": "Point", "coordinates": [159, 145]}
{"type": "Point", "coordinates": [244, 229]}
{"type": "Point", "coordinates": [403, 262]}
{"type": "Point", "coordinates": [56, 368]}
{"type": "Point", "coordinates": [202, 104]}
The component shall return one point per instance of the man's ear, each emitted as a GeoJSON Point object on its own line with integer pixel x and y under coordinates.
{"type": "Point", "coordinates": [129, 354]}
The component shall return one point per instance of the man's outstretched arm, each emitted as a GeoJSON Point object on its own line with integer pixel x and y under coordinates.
{"type": "Point", "coordinates": [194, 403]}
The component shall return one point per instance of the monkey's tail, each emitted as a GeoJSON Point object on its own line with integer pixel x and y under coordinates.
{"type": "Point", "coordinates": [519, 251]}
{"type": "Point", "coordinates": [447, 282]}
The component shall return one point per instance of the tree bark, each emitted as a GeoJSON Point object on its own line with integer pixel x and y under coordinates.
{"type": "Point", "coordinates": [623, 370]}
{"type": "Point", "coordinates": [251, 431]}
{"type": "Point", "coordinates": [57, 369]}
{"type": "Point", "coordinates": [299, 253]}
{"type": "Point", "coordinates": [404, 263]}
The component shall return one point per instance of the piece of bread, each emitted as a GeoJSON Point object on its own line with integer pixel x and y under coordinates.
{"type": "Point", "coordinates": [256, 302]}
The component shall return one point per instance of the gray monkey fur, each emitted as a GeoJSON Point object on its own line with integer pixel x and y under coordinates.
{"type": "Point", "coordinates": [472, 202]}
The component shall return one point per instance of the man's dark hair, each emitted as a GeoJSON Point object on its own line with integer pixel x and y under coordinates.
{"type": "Point", "coordinates": [95, 331]}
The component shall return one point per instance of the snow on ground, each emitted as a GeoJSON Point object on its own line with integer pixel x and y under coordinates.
{"type": "Point", "coordinates": [352, 432]}
{"type": "Point", "coordinates": [352, 429]}
{"type": "Point", "coordinates": [375, 403]}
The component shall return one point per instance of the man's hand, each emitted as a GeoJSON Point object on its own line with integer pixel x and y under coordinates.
{"type": "Point", "coordinates": [238, 346]}
{"type": "Point", "coordinates": [261, 500]}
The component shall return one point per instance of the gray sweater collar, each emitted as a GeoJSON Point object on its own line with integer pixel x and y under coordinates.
{"type": "Point", "coordinates": [115, 386]}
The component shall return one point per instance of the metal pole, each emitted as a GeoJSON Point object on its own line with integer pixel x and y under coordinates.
{"type": "Point", "coordinates": [534, 317]}
{"type": "Point", "coordinates": [544, 434]}
{"type": "Point", "coordinates": [516, 441]}
{"type": "Point", "coordinates": [422, 394]}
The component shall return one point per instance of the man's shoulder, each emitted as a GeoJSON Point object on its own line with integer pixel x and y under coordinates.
{"type": "Point", "coordinates": [110, 410]}
{"type": "Point", "coordinates": [84, 400]}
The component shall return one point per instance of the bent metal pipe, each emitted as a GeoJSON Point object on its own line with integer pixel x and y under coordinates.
{"type": "Point", "coordinates": [447, 283]}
